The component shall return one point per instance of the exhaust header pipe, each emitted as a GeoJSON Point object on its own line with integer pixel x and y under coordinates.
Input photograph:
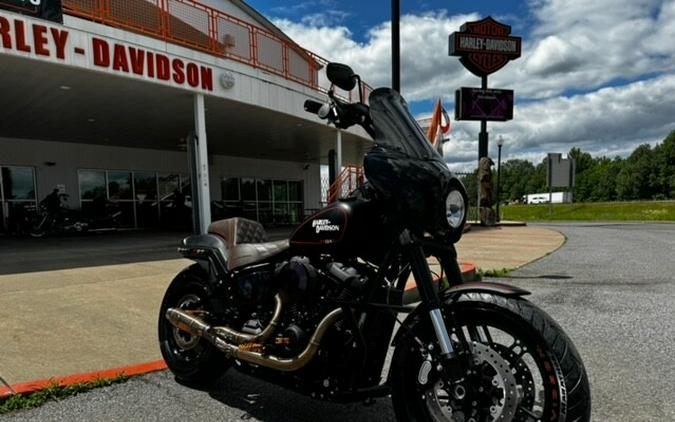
{"type": "Point", "coordinates": [221, 337]}
{"type": "Point", "coordinates": [195, 326]}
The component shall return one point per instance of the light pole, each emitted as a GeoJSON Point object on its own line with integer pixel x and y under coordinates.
{"type": "Point", "coordinates": [396, 45]}
{"type": "Point", "coordinates": [500, 142]}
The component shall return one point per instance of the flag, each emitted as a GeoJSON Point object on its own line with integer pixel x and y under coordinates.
{"type": "Point", "coordinates": [439, 120]}
{"type": "Point", "coordinates": [445, 121]}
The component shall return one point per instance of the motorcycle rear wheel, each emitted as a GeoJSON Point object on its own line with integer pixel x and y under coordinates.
{"type": "Point", "coordinates": [193, 360]}
{"type": "Point", "coordinates": [525, 367]}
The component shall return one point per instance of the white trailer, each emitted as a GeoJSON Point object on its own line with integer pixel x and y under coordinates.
{"type": "Point", "coordinates": [544, 198]}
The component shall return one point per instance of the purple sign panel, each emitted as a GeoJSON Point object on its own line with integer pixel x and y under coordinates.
{"type": "Point", "coordinates": [484, 104]}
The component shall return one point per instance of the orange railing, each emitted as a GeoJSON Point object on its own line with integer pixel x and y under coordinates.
{"type": "Point", "coordinates": [351, 178]}
{"type": "Point", "coordinates": [200, 27]}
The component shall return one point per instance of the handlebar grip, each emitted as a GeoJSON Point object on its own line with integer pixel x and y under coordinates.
{"type": "Point", "coordinates": [312, 106]}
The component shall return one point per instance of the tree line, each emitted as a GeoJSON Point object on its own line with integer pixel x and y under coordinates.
{"type": "Point", "coordinates": [647, 174]}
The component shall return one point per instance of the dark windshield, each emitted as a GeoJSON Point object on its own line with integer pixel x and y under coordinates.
{"type": "Point", "coordinates": [395, 127]}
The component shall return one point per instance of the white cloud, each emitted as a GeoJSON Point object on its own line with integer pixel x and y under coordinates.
{"type": "Point", "coordinates": [583, 45]}
{"type": "Point", "coordinates": [610, 121]}
{"type": "Point", "coordinates": [574, 47]}
{"type": "Point", "coordinates": [425, 64]}
{"type": "Point", "coordinates": [326, 18]}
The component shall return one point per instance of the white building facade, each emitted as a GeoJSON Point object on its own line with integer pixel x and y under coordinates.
{"type": "Point", "coordinates": [103, 105]}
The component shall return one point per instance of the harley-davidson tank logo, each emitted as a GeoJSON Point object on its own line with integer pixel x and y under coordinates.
{"type": "Point", "coordinates": [484, 46]}
{"type": "Point", "coordinates": [325, 226]}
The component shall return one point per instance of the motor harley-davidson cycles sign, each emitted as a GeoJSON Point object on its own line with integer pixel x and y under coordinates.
{"type": "Point", "coordinates": [484, 46]}
{"type": "Point", "coordinates": [44, 9]}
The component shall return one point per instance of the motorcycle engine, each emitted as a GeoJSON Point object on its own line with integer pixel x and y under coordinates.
{"type": "Point", "coordinates": [307, 292]}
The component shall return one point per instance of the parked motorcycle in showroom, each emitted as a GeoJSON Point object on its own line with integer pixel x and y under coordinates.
{"type": "Point", "coordinates": [54, 218]}
{"type": "Point", "coordinates": [318, 313]}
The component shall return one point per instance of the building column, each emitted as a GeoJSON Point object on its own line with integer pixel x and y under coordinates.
{"type": "Point", "coordinates": [338, 154]}
{"type": "Point", "coordinates": [203, 200]}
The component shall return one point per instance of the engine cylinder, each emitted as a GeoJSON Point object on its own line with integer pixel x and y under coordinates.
{"type": "Point", "coordinates": [297, 279]}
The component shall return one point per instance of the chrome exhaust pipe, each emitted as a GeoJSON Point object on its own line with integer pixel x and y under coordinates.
{"type": "Point", "coordinates": [189, 323]}
{"type": "Point", "coordinates": [288, 364]}
{"type": "Point", "coordinates": [196, 327]}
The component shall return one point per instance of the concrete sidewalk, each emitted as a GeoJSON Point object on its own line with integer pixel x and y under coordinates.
{"type": "Point", "coordinates": [71, 321]}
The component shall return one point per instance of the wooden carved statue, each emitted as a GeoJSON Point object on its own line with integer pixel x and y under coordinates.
{"type": "Point", "coordinates": [487, 214]}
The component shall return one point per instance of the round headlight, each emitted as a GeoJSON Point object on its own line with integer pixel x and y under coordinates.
{"type": "Point", "coordinates": [455, 209]}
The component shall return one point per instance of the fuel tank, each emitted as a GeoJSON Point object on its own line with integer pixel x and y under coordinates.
{"type": "Point", "coordinates": [344, 226]}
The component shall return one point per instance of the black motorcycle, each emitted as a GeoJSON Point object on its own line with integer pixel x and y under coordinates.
{"type": "Point", "coordinates": [54, 218]}
{"type": "Point", "coordinates": [319, 313]}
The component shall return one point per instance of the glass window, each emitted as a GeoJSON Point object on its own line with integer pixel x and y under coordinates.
{"type": "Point", "coordinates": [247, 189]}
{"type": "Point", "coordinates": [18, 183]}
{"type": "Point", "coordinates": [265, 212]}
{"type": "Point", "coordinates": [230, 189]}
{"type": "Point", "coordinates": [295, 213]}
{"type": "Point", "coordinates": [119, 185]}
{"type": "Point", "coordinates": [280, 213]}
{"type": "Point", "coordinates": [280, 191]}
{"type": "Point", "coordinates": [92, 184]}
{"type": "Point", "coordinates": [185, 184]}
{"type": "Point", "coordinates": [250, 211]}
{"type": "Point", "coordinates": [264, 190]}
{"type": "Point", "coordinates": [294, 191]}
{"type": "Point", "coordinates": [145, 185]}
{"type": "Point", "coordinates": [168, 183]}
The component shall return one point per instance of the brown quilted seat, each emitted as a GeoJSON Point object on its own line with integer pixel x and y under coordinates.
{"type": "Point", "coordinates": [246, 241]}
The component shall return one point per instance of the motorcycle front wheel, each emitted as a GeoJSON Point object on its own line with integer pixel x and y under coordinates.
{"type": "Point", "coordinates": [193, 360]}
{"type": "Point", "coordinates": [39, 228]}
{"type": "Point", "coordinates": [523, 366]}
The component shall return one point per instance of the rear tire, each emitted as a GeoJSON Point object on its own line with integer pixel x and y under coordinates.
{"type": "Point", "coordinates": [519, 341]}
{"type": "Point", "coordinates": [192, 360]}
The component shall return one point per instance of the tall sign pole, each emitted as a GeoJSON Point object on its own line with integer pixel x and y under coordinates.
{"type": "Point", "coordinates": [484, 47]}
{"type": "Point", "coordinates": [396, 45]}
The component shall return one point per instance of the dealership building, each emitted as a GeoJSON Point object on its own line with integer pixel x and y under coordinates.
{"type": "Point", "coordinates": [141, 102]}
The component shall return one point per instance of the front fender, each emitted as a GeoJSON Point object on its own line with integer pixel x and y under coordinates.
{"type": "Point", "coordinates": [481, 286]}
{"type": "Point", "coordinates": [447, 296]}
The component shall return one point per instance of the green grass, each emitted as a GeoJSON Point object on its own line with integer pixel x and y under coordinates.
{"type": "Point", "coordinates": [593, 211]}
{"type": "Point", "coordinates": [494, 273]}
{"type": "Point", "coordinates": [54, 393]}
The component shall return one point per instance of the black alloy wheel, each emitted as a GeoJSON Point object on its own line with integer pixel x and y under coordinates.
{"type": "Point", "coordinates": [524, 367]}
{"type": "Point", "coordinates": [193, 360]}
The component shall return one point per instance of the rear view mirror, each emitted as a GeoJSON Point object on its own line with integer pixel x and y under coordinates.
{"type": "Point", "coordinates": [342, 76]}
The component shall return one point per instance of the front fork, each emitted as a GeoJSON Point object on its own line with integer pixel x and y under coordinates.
{"type": "Point", "coordinates": [453, 367]}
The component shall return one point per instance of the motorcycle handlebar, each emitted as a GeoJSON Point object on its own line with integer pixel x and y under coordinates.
{"type": "Point", "coordinates": [344, 114]}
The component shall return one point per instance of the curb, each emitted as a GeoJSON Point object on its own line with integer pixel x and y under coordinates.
{"type": "Point", "coordinates": [35, 386]}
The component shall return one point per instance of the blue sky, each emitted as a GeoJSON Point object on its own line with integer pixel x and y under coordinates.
{"type": "Point", "coordinates": [594, 74]}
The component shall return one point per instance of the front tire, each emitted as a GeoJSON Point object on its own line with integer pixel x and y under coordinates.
{"type": "Point", "coordinates": [39, 229]}
{"type": "Point", "coordinates": [525, 366]}
{"type": "Point", "coordinates": [191, 359]}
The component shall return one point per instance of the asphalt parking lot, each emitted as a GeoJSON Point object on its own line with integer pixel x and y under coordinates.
{"type": "Point", "coordinates": [19, 255]}
{"type": "Point", "coordinates": [612, 287]}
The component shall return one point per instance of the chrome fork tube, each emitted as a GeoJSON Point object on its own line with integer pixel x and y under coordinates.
{"type": "Point", "coordinates": [441, 333]}
{"type": "Point", "coordinates": [428, 292]}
